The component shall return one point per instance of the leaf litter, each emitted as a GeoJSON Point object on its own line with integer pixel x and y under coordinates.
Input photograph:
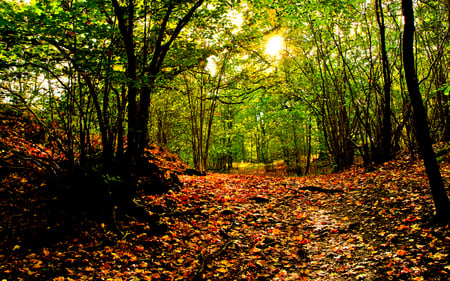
{"type": "Point", "coordinates": [355, 225]}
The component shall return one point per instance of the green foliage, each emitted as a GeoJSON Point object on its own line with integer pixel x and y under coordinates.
{"type": "Point", "coordinates": [111, 179]}
{"type": "Point", "coordinates": [325, 88]}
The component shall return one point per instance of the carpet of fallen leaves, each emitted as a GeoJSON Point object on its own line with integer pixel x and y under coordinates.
{"type": "Point", "coordinates": [357, 225]}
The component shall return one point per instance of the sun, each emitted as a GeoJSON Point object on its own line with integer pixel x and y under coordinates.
{"type": "Point", "coordinates": [274, 46]}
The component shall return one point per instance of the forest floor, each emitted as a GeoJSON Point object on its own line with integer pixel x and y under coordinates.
{"type": "Point", "coordinates": [355, 225]}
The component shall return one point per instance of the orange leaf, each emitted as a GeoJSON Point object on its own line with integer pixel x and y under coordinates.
{"type": "Point", "coordinates": [401, 227]}
{"type": "Point", "coordinates": [401, 253]}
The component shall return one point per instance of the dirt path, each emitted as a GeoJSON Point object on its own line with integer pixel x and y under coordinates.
{"type": "Point", "coordinates": [356, 225]}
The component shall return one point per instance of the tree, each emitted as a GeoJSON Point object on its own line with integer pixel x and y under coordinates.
{"type": "Point", "coordinates": [386, 145]}
{"type": "Point", "coordinates": [440, 197]}
{"type": "Point", "coordinates": [144, 73]}
{"type": "Point", "coordinates": [202, 104]}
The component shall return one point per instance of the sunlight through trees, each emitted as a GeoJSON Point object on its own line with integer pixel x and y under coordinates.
{"type": "Point", "coordinates": [274, 46]}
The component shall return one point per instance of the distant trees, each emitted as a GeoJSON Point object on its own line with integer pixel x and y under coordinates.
{"type": "Point", "coordinates": [344, 63]}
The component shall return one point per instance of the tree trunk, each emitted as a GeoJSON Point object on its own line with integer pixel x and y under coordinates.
{"type": "Point", "coordinates": [440, 197]}
{"type": "Point", "coordinates": [82, 125]}
{"type": "Point", "coordinates": [126, 25]}
{"type": "Point", "coordinates": [387, 125]}
{"type": "Point", "coordinates": [309, 144]}
{"type": "Point", "coordinates": [121, 104]}
{"type": "Point", "coordinates": [154, 68]}
{"type": "Point", "coordinates": [103, 124]}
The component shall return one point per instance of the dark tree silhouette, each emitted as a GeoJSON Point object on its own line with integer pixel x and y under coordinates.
{"type": "Point", "coordinates": [440, 197]}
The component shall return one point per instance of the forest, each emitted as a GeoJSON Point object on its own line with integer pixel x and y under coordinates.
{"type": "Point", "coordinates": [224, 140]}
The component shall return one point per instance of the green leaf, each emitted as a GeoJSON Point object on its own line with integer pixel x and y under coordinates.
{"type": "Point", "coordinates": [447, 91]}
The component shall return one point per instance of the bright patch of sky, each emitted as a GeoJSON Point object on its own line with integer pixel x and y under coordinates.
{"type": "Point", "coordinates": [211, 65]}
{"type": "Point", "coordinates": [26, 2]}
{"type": "Point", "coordinates": [274, 46]}
{"type": "Point", "coordinates": [237, 19]}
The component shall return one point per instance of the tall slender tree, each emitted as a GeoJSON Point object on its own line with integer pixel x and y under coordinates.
{"type": "Point", "coordinates": [387, 126]}
{"type": "Point", "coordinates": [440, 197]}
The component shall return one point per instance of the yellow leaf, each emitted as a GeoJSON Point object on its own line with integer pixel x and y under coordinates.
{"type": "Point", "coordinates": [222, 270]}
{"type": "Point", "coordinates": [415, 227]}
{"type": "Point", "coordinates": [118, 67]}
{"type": "Point", "coordinates": [226, 263]}
{"type": "Point", "coordinates": [438, 256]}
{"type": "Point", "coordinates": [298, 238]}
{"type": "Point", "coordinates": [276, 231]}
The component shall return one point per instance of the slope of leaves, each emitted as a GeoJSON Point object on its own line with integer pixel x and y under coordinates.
{"type": "Point", "coordinates": [357, 225]}
{"type": "Point", "coordinates": [165, 159]}
{"type": "Point", "coordinates": [20, 134]}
